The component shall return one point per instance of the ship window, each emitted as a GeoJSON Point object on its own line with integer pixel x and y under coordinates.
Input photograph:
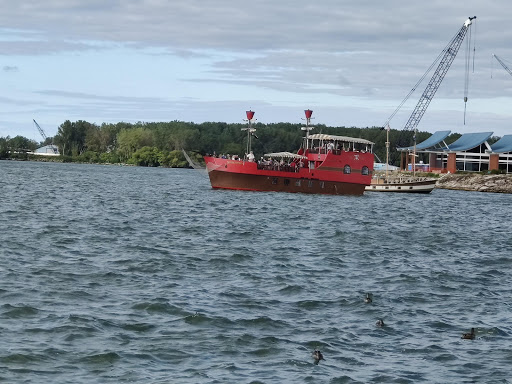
{"type": "Point", "coordinates": [399, 187]}
{"type": "Point", "coordinates": [286, 181]}
{"type": "Point", "coordinates": [387, 187]}
{"type": "Point", "coordinates": [310, 183]}
{"type": "Point", "coordinates": [297, 183]}
{"type": "Point", "coordinates": [274, 180]}
{"type": "Point", "coordinates": [346, 169]}
{"type": "Point", "coordinates": [365, 170]}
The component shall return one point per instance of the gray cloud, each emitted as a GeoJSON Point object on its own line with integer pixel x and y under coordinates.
{"type": "Point", "coordinates": [372, 50]}
{"type": "Point", "coordinates": [10, 68]}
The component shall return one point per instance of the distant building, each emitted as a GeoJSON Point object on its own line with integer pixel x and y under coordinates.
{"type": "Point", "coordinates": [47, 150]}
{"type": "Point", "coordinates": [471, 152]}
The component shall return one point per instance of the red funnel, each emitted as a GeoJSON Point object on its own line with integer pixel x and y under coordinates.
{"type": "Point", "coordinates": [250, 114]}
{"type": "Point", "coordinates": [308, 113]}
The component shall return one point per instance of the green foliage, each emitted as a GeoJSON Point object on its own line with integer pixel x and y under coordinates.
{"type": "Point", "coordinates": [109, 158]}
{"type": "Point", "coordinates": [88, 157]}
{"type": "Point", "coordinates": [21, 144]}
{"type": "Point", "coordinates": [173, 159]}
{"type": "Point", "coordinates": [131, 140]}
{"type": "Point", "coordinates": [146, 157]}
{"type": "Point", "coordinates": [4, 148]}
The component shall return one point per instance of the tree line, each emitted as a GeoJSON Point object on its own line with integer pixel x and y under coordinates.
{"type": "Point", "coordinates": [160, 143]}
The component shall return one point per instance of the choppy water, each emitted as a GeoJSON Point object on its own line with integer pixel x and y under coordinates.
{"type": "Point", "coordinates": [121, 274]}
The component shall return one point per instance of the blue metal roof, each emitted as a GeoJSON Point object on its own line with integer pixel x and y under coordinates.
{"type": "Point", "coordinates": [503, 145]}
{"type": "Point", "coordinates": [469, 141]}
{"type": "Point", "coordinates": [432, 141]}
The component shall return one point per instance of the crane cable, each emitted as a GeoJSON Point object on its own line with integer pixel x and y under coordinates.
{"type": "Point", "coordinates": [467, 65]}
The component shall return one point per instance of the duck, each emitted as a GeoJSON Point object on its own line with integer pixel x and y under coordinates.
{"type": "Point", "coordinates": [469, 336]}
{"type": "Point", "coordinates": [379, 323]}
{"type": "Point", "coordinates": [317, 356]}
{"type": "Point", "coordinates": [368, 298]}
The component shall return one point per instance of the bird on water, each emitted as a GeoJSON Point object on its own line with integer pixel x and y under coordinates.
{"type": "Point", "coordinates": [379, 323]}
{"type": "Point", "coordinates": [469, 336]}
{"type": "Point", "coordinates": [317, 356]}
{"type": "Point", "coordinates": [368, 298]}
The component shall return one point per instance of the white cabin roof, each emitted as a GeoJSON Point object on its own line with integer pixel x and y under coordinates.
{"type": "Point", "coordinates": [321, 136]}
{"type": "Point", "coordinates": [286, 155]}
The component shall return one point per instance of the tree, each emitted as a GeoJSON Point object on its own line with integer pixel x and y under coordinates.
{"type": "Point", "coordinates": [4, 147]}
{"type": "Point", "coordinates": [130, 140]}
{"type": "Point", "coordinates": [21, 144]}
{"type": "Point", "coordinates": [64, 137]}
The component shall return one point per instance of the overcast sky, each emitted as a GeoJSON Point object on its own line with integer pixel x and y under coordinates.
{"type": "Point", "coordinates": [351, 62]}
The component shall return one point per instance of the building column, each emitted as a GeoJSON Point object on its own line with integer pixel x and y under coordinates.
{"type": "Point", "coordinates": [432, 161]}
{"type": "Point", "coordinates": [451, 164]}
{"type": "Point", "coordinates": [494, 161]}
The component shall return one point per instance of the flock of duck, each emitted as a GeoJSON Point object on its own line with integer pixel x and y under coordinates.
{"type": "Point", "coordinates": [317, 354]}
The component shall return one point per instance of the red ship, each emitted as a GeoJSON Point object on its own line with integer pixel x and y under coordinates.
{"type": "Point", "coordinates": [325, 164]}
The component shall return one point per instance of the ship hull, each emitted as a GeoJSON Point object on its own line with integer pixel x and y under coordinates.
{"type": "Point", "coordinates": [330, 180]}
{"type": "Point", "coordinates": [403, 186]}
{"type": "Point", "coordinates": [284, 183]}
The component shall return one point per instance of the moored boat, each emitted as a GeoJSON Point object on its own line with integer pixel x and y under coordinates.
{"type": "Point", "coordinates": [400, 183]}
{"type": "Point", "coordinates": [325, 164]}
{"type": "Point", "coordinates": [405, 184]}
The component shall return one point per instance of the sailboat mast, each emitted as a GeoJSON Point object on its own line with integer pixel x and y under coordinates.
{"type": "Point", "coordinates": [387, 150]}
{"type": "Point", "coordinates": [414, 155]}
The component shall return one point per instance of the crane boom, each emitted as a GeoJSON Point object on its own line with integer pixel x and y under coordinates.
{"type": "Point", "coordinates": [503, 64]}
{"type": "Point", "coordinates": [40, 130]}
{"type": "Point", "coordinates": [446, 61]}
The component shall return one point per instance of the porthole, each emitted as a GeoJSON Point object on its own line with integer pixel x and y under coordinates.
{"type": "Point", "coordinates": [346, 169]}
{"type": "Point", "coordinates": [274, 180]}
{"type": "Point", "coordinates": [286, 181]}
{"type": "Point", "coordinates": [365, 170]}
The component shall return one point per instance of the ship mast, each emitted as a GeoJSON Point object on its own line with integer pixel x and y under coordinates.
{"type": "Point", "coordinates": [250, 130]}
{"type": "Point", "coordinates": [308, 127]}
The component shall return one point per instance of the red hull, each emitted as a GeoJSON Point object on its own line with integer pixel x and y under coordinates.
{"type": "Point", "coordinates": [327, 177]}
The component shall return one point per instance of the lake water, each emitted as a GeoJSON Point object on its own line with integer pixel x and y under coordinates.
{"type": "Point", "coordinates": [121, 274]}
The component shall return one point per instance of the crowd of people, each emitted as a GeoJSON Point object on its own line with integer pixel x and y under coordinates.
{"type": "Point", "coordinates": [292, 165]}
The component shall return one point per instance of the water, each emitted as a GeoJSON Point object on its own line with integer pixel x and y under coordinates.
{"type": "Point", "coordinates": [122, 274]}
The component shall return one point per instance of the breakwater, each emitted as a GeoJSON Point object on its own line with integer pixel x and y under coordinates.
{"type": "Point", "coordinates": [477, 182]}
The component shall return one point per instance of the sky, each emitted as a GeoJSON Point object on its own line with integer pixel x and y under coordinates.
{"type": "Point", "coordinates": [352, 63]}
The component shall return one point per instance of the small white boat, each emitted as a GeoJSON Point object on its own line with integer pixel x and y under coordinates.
{"type": "Point", "coordinates": [405, 184]}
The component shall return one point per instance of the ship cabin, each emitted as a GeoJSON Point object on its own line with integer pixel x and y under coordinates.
{"type": "Point", "coordinates": [319, 146]}
{"type": "Point", "coordinates": [313, 153]}
{"type": "Point", "coordinates": [320, 143]}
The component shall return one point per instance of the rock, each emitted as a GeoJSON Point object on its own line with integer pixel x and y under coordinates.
{"type": "Point", "coordinates": [476, 182]}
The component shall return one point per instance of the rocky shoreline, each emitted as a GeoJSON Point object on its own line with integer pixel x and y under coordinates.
{"type": "Point", "coordinates": [476, 182]}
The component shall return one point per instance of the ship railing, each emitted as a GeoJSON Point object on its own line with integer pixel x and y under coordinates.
{"type": "Point", "coordinates": [323, 150]}
{"type": "Point", "coordinates": [279, 167]}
